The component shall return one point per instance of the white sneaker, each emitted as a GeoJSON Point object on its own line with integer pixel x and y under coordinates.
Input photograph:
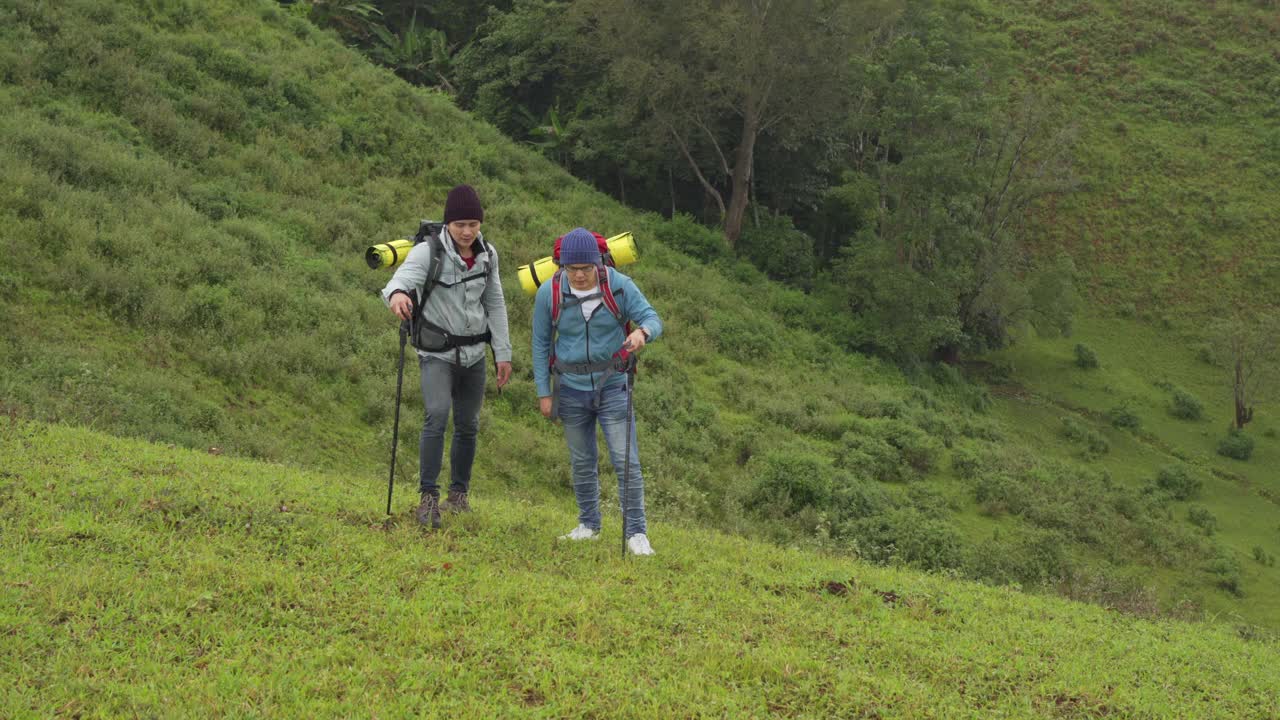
{"type": "Point", "coordinates": [582, 532]}
{"type": "Point", "coordinates": [638, 544]}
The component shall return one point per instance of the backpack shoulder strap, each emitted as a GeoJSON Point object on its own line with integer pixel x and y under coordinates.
{"type": "Point", "coordinates": [434, 267]}
{"type": "Point", "coordinates": [606, 294]}
{"type": "Point", "coordinates": [556, 281]}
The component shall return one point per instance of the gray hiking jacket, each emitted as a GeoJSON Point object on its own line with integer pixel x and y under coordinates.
{"type": "Point", "coordinates": [462, 308]}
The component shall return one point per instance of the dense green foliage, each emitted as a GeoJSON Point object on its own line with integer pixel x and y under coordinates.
{"type": "Point", "coordinates": [194, 586]}
{"type": "Point", "coordinates": [879, 153]}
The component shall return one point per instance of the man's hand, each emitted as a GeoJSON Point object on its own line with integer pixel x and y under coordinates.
{"type": "Point", "coordinates": [635, 340]}
{"type": "Point", "coordinates": [544, 404]}
{"type": "Point", "coordinates": [401, 306]}
{"type": "Point", "coordinates": [504, 373]}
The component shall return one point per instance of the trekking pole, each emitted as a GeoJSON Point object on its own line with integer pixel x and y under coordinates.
{"type": "Point", "coordinates": [395, 432]}
{"type": "Point", "coordinates": [626, 464]}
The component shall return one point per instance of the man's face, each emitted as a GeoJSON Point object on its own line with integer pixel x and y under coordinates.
{"type": "Point", "coordinates": [582, 277]}
{"type": "Point", "coordinates": [464, 232]}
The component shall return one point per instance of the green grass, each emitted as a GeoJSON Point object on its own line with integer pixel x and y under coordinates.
{"type": "Point", "coordinates": [1179, 144]}
{"type": "Point", "coordinates": [186, 189]}
{"type": "Point", "coordinates": [145, 580]}
{"type": "Point", "coordinates": [1137, 363]}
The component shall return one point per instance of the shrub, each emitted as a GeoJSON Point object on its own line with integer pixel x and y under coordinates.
{"type": "Point", "coordinates": [1030, 556]}
{"type": "Point", "coordinates": [1123, 417]}
{"type": "Point", "coordinates": [869, 456]}
{"type": "Point", "coordinates": [1228, 573]}
{"type": "Point", "coordinates": [1203, 519]}
{"type": "Point", "coordinates": [998, 494]}
{"type": "Point", "coordinates": [855, 498]}
{"type": "Point", "coordinates": [917, 450]}
{"type": "Point", "coordinates": [1236, 445]}
{"type": "Point", "coordinates": [740, 335]}
{"type": "Point", "coordinates": [966, 463]}
{"type": "Point", "coordinates": [1095, 444]}
{"type": "Point", "coordinates": [787, 481]}
{"type": "Point", "coordinates": [905, 535]}
{"type": "Point", "coordinates": [780, 250]}
{"type": "Point", "coordinates": [1178, 482]}
{"type": "Point", "coordinates": [1186, 406]}
{"type": "Point", "coordinates": [1086, 358]}
{"type": "Point", "coordinates": [1263, 557]}
{"type": "Point", "coordinates": [1205, 354]}
{"type": "Point", "coordinates": [685, 233]}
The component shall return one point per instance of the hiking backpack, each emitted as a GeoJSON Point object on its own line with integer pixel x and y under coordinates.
{"type": "Point", "coordinates": [423, 334]}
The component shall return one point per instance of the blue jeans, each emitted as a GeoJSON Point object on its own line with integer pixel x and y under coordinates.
{"type": "Point", "coordinates": [443, 385]}
{"type": "Point", "coordinates": [579, 412]}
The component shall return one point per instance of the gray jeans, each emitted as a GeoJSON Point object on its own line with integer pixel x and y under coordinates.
{"type": "Point", "coordinates": [444, 385]}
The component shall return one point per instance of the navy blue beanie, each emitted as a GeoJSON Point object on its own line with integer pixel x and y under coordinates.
{"type": "Point", "coordinates": [579, 248]}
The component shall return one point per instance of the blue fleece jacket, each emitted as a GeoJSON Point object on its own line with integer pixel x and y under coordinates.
{"type": "Point", "coordinates": [580, 341]}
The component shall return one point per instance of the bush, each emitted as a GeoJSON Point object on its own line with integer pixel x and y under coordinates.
{"type": "Point", "coordinates": [1095, 444]}
{"type": "Point", "coordinates": [905, 535]}
{"type": "Point", "coordinates": [1086, 358]}
{"type": "Point", "coordinates": [1236, 445]}
{"type": "Point", "coordinates": [1029, 556]}
{"type": "Point", "coordinates": [684, 233]}
{"type": "Point", "coordinates": [966, 463]}
{"type": "Point", "coordinates": [869, 456]}
{"type": "Point", "coordinates": [917, 450]}
{"type": "Point", "coordinates": [855, 498]}
{"type": "Point", "coordinates": [780, 250]}
{"type": "Point", "coordinates": [1178, 482]}
{"type": "Point", "coordinates": [1263, 557]}
{"type": "Point", "coordinates": [1203, 519]}
{"type": "Point", "coordinates": [1228, 572]}
{"type": "Point", "coordinates": [1186, 406]}
{"type": "Point", "coordinates": [1123, 417]}
{"type": "Point", "coordinates": [788, 481]}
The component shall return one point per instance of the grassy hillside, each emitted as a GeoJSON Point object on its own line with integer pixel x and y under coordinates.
{"type": "Point", "coordinates": [1141, 369]}
{"type": "Point", "coordinates": [1180, 144]}
{"type": "Point", "coordinates": [186, 189]}
{"type": "Point", "coordinates": [144, 580]}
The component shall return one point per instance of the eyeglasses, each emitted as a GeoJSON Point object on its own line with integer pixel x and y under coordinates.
{"type": "Point", "coordinates": [579, 269]}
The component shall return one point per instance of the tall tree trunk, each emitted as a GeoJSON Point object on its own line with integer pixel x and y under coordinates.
{"type": "Point", "coordinates": [739, 190]}
{"type": "Point", "coordinates": [671, 186]}
{"type": "Point", "coordinates": [1244, 413]}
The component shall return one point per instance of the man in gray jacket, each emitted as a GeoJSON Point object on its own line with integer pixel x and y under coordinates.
{"type": "Point", "coordinates": [465, 303]}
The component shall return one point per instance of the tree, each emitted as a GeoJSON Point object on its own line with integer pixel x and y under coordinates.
{"type": "Point", "coordinates": [1248, 345]}
{"type": "Point", "coordinates": [707, 78]}
{"type": "Point", "coordinates": [945, 261]}
{"type": "Point", "coordinates": [420, 55]}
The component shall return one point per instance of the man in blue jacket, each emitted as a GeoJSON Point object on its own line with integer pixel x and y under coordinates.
{"type": "Point", "coordinates": [579, 344]}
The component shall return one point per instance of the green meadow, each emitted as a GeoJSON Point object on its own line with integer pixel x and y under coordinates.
{"type": "Point", "coordinates": [197, 390]}
{"type": "Point", "coordinates": [144, 580]}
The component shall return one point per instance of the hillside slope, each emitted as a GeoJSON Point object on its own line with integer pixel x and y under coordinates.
{"type": "Point", "coordinates": [1176, 105]}
{"type": "Point", "coordinates": [144, 580]}
{"type": "Point", "coordinates": [186, 190]}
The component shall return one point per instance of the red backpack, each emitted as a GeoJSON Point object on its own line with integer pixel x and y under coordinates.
{"type": "Point", "coordinates": [600, 243]}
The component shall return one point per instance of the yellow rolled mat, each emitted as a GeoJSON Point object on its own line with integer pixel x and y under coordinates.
{"type": "Point", "coordinates": [622, 248]}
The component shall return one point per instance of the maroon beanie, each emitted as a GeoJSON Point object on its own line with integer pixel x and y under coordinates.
{"type": "Point", "coordinates": [463, 204]}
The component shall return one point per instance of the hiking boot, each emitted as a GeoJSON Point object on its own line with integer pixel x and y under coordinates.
{"type": "Point", "coordinates": [429, 511]}
{"type": "Point", "coordinates": [638, 544]}
{"type": "Point", "coordinates": [582, 532]}
{"type": "Point", "coordinates": [456, 503]}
